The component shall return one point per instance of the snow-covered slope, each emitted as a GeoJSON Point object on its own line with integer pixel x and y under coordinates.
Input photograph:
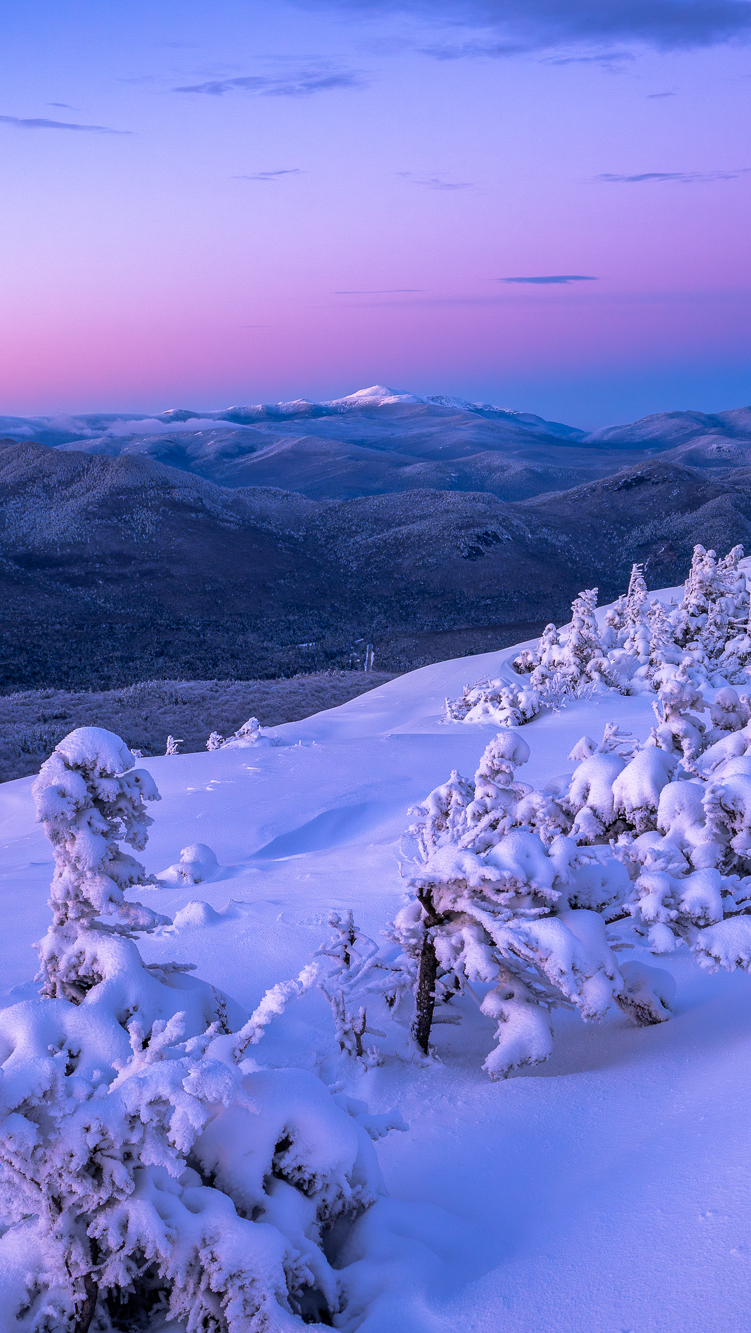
{"type": "Point", "coordinates": [605, 1190]}
{"type": "Point", "coordinates": [674, 428]}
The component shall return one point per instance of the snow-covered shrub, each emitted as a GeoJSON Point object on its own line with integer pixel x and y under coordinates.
{"type": "Point", "coordinates": [496, 702]}
{"type": "Point", "coordinates": [498, 896]}
{"type": "Point", "coordinates": [215, 741]}
{"type": "Point", "coordinates": [532, 893]}
{"type": "Point", "coordinates": [173, 745]}
{"type": "Point", "coordinates": [559, 689]}
{"type": "Point", "coordinates": [196, 865]}
{"type": "Point", "coordinates": [639, 647]}
{"type": "Point", "coordinates": [148, 1170]}
{"type": "Point", "coordinates": [360, 977]}
{"type": "Point", "coordinates": [250, 733]}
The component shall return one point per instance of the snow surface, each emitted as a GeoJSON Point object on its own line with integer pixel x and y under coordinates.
{"type": "Point", "coordinates": [607, 1190]}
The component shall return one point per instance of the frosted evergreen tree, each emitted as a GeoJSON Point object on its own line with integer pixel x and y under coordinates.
{"type": "Point", "coordinates": [547, 656]}
{"type": "Point", "coordinates": [147, 1172]}
{"type": "Point", "coordinates": [661, 643]}
{"type": "Point", "coordinates": [679, 731]}
{"type": "Point", "coordinates": [583, 641]}
{"type": "Point", "coordinates": [88, 797]}
{"type": "Point", "coordinates": [636, 597]}
{"type": "Point", "coordinates": [489, 902]}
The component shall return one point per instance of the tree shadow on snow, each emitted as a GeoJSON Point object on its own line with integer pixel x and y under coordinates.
{"type": "Point", "coordinates": [712, 1014]}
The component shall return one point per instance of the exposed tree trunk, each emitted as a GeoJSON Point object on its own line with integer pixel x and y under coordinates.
{"type": "Point", "coordinates": [88, 1305]}
{"type": "Point", "coordinates": [426, 979]}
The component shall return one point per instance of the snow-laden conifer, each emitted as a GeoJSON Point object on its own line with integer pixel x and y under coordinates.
{"type": "Point", "coordinates": [147, 1171]}
{"type": "Point", "coordinates": [89, 797]}
{"type": "Point", "coordinates": [491, 902]}
{"type": "Point", "coordinates": [637, 646]}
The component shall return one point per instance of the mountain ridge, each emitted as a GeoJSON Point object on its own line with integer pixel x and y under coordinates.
{"type": "Point", "coordinates": [380, 441]}
{"type": "Point", "coordinates": [117, 569]}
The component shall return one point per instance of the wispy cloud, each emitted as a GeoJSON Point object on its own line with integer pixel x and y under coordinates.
{"type": "Point", "coordinates": [493, 49]}
{"type": "Point", "coordinates": [302, 84]}
{"type": "Point", "coordinates": [683, 177]}
{"type": "Point", "coordinates": [40, 124]}
{"type": "Point", "coordinates": [511, 26]}
{"type": "Point", "coordinates": [66, 106]}
{"type": "Point", "coordinates": [610, 60]}
{"type": "Point", "coordinates": [555, 278]}
{"type": "Point", "coordinates": [269, 175]}
{"type": "Point", "coordinates": [435, 182]}
{"type": "Point", "coordinates": [376, 291]}
{"type": "Point", "coordinates": [654, 96]}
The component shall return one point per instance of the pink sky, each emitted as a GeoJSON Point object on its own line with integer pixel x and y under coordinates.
{"type": "Point", "coordinates": [390, 194]}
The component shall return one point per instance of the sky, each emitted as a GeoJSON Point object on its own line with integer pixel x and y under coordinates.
{"type": "Point", "coordinates": [542, 204]}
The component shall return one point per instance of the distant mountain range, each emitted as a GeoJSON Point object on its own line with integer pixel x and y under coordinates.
{"type": "Point", "coordinates": [264, 540]}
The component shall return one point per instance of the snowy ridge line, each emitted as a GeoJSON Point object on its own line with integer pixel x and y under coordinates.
{"type": "Point", "coordinates": [114, 425]}
{"type": "Point", "coordinates": [668, 428]}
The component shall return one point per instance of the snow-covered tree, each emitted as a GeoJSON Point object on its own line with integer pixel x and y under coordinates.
{"type": "Point", "coordinates": [583, 638]}
{"type": "Point", "coordinates": [173, 745]}
{"type": "Point", "coordinates": [679, 731]}
{"type": "Point", "coordinates": [89, 796]}
{"type": "Point", "coordinates": [489, 902]}
{"type": "Point", "coordinates": [531, 892]}
{"type": "Point", "coordinates": [638, 648]}
{"type": "Point", "coordinates": [147, 1168]}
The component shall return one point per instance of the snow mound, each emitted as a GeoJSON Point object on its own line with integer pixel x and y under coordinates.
{"type": "Point", "coordinates": [196, 865]}
{"type": "Point", "coordinates": [195, 914]}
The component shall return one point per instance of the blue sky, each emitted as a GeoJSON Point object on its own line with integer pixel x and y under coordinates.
{"type": "Point", "coordinates": [540, 204]}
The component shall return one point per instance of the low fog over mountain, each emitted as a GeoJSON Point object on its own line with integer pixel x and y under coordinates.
{"type": "Point", "coordinates": [271, 539]}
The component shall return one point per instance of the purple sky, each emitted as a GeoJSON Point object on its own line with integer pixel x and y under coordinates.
{"type": "Point", "coordinates": [242, 201]}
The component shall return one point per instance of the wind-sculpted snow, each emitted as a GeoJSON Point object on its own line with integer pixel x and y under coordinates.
{"type": "Point", "coordinates": [623, 1135]}
{"type": "Point", "coordinates": [202, 713]}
